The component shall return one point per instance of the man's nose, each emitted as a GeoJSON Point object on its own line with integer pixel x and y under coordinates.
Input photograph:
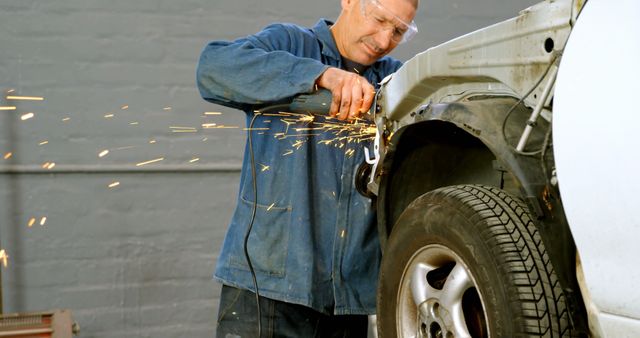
{"type": "Point", "coordinates": [384, 39]}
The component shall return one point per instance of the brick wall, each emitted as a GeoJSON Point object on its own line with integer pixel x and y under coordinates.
{"type": "Point", "coordinates": [135, 260]}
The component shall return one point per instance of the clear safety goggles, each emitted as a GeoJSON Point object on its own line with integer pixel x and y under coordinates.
{"type": "Point", "coordinates": [380, 16]}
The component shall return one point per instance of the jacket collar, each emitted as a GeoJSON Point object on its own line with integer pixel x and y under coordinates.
{"type": "Point", "coordinates": [329, 48]}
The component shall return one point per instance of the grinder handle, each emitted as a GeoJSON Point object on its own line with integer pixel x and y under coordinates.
{"type": "Point", "coordinates": [318, 102]}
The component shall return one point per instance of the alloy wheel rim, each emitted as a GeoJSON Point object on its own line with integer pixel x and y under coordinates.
{"type": "Point", "coordinates": [438, 297]}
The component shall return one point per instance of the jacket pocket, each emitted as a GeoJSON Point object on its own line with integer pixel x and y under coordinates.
{"type": "Point", "coordinates": [269, 239]}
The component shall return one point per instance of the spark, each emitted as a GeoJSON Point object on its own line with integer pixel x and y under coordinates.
{"type": "Point", "coordinates": [8, 155]}
{"type": "Point", "coordinates": [177, 129]}
{"type": "Point", "coordinates": [195, 159]}
{"type": "Point", "coordinates": [308, 118]}
{"type": "Point", "coordinates": [264, 167]}
{"type": "Point", "coordinates": [208, 125]}
{"type": "Point", "coordinates": [152, 141]}
{"type": "Point", "coordinates": [108, 116]}
{"type": "Point", "coordinates": [7, 108]}
{"type": "Point", "coordinates": [134, 123]}
{"type": "Point", "coordinates": [125, 147]}
{"type": "Point", "coordinates": [212, 113]}
{"type": "Point", "coordinates": [10, 91]}
{"type": "Point", "coordinates": [288, 152]}
{"type": "Point", "coordinates": [271, 206]}
{"type": "Point", "coordinates": [350, 152]}
{"type": "Point", "coordinates": [342, 233]}
{"type": "Point", "coordinates": [225, 127]}
{"type": "Point", "coordinates": [43, 143]}
{"type": "Point", "coordinates": [32, 221]}
{"type": "Point", "coordinates": [4, 257]}
{"type": "Point", "coordinates": [43, 220]}
{"type": "Point", "coordinates": [167, 108]}
{"type": "Point", "coordinates": [66, 119]}
{"type": "Point", "coordinates": [124, 107]}
{"type": "Point", "coordinates": [298, 144]}
{"type": "Point", "coordinates": [103, 153]}
{"type": "Point", "coordinates": [48, 165]}
{"type": "Point", "coordinates": [253, 129]}
{"type": "Point", "coordinates": [25, 98]}
{"type": "Point", "coordinates": [114, 184]}
{"type": "Point", "coordinates": [205, 139]}
{"type": "Point", "coordinates": [27, 116]}
{"type": "Point", "coordinates": [150, 161]}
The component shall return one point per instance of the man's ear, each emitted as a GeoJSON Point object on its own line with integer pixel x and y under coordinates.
{"type": "Point", "coordinates": [348, 4]}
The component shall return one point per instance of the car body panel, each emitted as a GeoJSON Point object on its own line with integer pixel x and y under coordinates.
{"type": "Point", "coordinates": [597, 152]}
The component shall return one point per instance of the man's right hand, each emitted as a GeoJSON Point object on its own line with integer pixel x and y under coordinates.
{"type": "Point", "coordinates": [352, 93]}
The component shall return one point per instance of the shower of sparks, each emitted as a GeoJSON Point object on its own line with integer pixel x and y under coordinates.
{"type": "Point", "coordinates": [149, 162]}
{"type": "Point", "coordinates": [103, 153]}
{"type": "Point", "coordinates": [7, 108]}
{"type": "Point", "coordinates": [212, 113]}
{"type": "Point", "coordinates": [66, 119]}
{"type": "Point", "coordinates": [124, 107]}
{"type": "Point", "coordinates": [32, 221]}
{"type": "Point", "coordinates": [108, 116]}
{"type": "Point", "coordinates": [271, 206]}
{"type": "Point", "coordinates": [25, 98]}
{"type": "Point", "coordinates": [264, 167]}
{"type": "Point", "coordinates": [43, 143]}
{"type": "Point", "coordinates": [114, 184]}
{"type": "Point", "coordinates": [27, 116]}
{"type": "Point", "coordinates": [4, 258]}
{"type": "Point", "coordinates": [43, 220]}
{"type": "Point", "coordinates": [166, 108]}
{"type": "Point", "coordinates": [195, 159]}
{"type": "Point", "coordinates": [8, 155]}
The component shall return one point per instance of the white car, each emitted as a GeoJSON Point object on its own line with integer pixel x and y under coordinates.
{"type": "Point", "coordinates": [505, 169]}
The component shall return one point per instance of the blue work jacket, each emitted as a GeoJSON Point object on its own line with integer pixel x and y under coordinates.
{"type": "Point", "coordinates": [314, 241]}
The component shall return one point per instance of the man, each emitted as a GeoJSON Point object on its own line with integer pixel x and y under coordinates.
{"type": "Point", "coordinates": [313, 244]}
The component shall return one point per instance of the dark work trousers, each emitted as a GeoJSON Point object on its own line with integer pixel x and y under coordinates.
{"type": "Point", "coordinates": [238, 318]}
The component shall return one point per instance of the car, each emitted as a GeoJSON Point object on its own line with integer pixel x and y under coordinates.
{"type": "Point", "coordinates": [504, 170]}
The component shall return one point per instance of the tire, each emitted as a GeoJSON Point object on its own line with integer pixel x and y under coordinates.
{"type": "Point", "coordinates": [467, 261]}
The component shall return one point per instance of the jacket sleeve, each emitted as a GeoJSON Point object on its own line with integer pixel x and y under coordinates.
{"type": "Point", "coordinates": [257, 69]}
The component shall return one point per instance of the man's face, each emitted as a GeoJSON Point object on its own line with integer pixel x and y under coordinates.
{"type": "Point", "coordinates": [375, 28]}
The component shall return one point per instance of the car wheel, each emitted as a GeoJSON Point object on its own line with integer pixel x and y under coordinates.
{"type": "Point", "coordinates": [467, 261]}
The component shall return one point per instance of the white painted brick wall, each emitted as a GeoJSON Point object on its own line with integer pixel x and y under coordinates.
{"type": "Point", "coordinates": [135, 260]}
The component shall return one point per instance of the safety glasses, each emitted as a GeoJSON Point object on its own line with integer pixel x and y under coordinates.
{"type": "Point", "coordinates": [376, 14]}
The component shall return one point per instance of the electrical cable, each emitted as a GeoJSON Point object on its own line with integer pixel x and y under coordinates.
{"type": "Point", "coordinates": [506, 117]}
{"type": "Point", "coordinates": [253, 217]}
{"type": "Point", "coordinates": [256, 113]}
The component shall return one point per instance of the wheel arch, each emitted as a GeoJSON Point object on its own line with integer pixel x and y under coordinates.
{"type": "Point", "coordinates": [471, 142]}
{"type": "Point", "coordinates": [458, 143]}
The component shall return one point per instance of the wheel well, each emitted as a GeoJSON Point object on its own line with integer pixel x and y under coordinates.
{"type": "Point", "coordinates": [434, 154]}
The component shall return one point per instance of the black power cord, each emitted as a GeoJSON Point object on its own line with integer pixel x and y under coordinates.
{"type": "Point", "coordinates": [255, 207]}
